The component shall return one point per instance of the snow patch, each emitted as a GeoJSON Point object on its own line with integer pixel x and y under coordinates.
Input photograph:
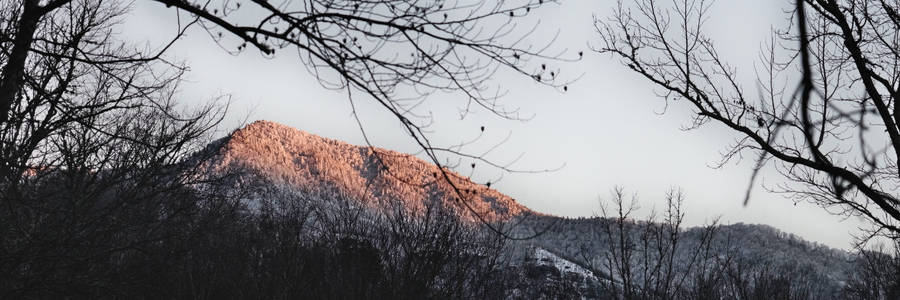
{"type": "Point", "coordinates": [544, 257]}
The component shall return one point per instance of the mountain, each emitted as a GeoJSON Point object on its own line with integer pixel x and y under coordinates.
{"type": "Point", "coordinates": [288, 158]}
{"type": "Point", "coordinates": [566, 258]}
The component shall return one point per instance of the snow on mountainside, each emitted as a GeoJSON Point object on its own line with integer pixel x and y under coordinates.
{"type": "Point", "coordinates": [287, 157]}
{"type": "Point", "coordinates": [544, 257]}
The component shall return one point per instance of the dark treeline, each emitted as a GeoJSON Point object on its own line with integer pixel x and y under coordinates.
{"type": "Point", "coordinates": [182, 243]}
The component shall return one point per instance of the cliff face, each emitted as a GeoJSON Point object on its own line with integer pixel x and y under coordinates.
{"type": "Point", "coordinates": [301, 161]}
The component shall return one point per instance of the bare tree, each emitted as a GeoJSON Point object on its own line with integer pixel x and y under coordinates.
{"type": "Point", "coordinates": [826, 114]}
{"type": "Point", "coordinates": [649, 259]}
{"type": "Point", "coordinates": [99, 162]}
{"type": "Point", "coordinates": [657, 258]}
{"type": "Point", "coordinates": [877, 274]}
{"type": "Point", "coordinates": [396, 53]}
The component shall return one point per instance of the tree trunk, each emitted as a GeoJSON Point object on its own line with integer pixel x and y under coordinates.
{"type": "Point", "coordinates": [12, 77]}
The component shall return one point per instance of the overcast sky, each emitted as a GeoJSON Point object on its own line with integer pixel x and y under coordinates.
{"type": "Point", "coordinates": [606, 128]}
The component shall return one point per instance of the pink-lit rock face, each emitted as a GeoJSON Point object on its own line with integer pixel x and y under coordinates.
{"type": "Point", "coordinates": [379, 178]}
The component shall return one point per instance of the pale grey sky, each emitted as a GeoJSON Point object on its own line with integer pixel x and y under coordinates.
{"type": "Point", "coordinates": [606, 128]}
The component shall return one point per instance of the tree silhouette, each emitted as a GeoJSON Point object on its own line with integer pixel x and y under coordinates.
{"type": "Point", "coordinates": [397, 52]}
{"type": "Point", "coordinates": [99, 163]}
{"type": "Point", "coordinates": [825, 116]}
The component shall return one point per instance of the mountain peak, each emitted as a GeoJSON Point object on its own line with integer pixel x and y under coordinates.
{"type": "Point", "coordinates": [303, 161]}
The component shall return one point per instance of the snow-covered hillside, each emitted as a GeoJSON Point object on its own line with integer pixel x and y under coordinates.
{"type": "Point", "coordinates": [547, 258]}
